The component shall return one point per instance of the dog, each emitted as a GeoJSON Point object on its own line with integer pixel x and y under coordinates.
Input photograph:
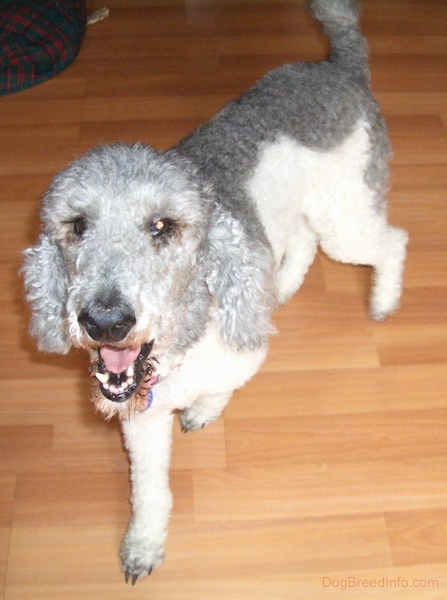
{"type": "Point", "coordinates": [167, 267]}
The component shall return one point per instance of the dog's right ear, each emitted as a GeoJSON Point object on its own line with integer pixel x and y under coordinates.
{"type": "Point", "coordinates": [46, 291]}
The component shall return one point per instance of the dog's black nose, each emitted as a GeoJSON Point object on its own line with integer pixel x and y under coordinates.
{"type": "Point", "coordinates": [107, 324]}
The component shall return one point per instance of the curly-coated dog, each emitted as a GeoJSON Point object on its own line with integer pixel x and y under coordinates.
{"type": "Point", "coordinates": [167, 267]}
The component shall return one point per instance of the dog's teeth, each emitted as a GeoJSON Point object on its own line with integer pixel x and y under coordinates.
{"type": "Point", "coordinates": [102, 377]}
{"type": "Point", "coordinates": [114, 389]}
{"type": "Point", "coordinates": [130, 371]}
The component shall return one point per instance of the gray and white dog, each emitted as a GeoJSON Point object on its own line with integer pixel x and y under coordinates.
{"type": "Point", "coordinates": [167, 267]}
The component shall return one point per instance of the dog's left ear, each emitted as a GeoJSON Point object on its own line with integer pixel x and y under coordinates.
{"type": "Point", "coordinates": [240, 277]}
{"type": "Point", "coordinates": [46, 290]}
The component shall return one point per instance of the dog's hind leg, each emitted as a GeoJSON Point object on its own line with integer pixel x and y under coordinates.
{"type": "Point", "coordinates": [299, 255]}
{"type": "Point", "coordinates": [147, 437]}
{"type": "Point", "coordinates": [349, 216]}
{"type": "Point", "coordinates": [388, 274]}
{"type": "Point", "coordinates": [367, 239]}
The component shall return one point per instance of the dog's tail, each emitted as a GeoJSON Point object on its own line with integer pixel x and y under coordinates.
{"type": "Point", "coordinates": [340, 20]}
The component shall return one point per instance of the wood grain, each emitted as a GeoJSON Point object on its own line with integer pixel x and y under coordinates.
{"type": "Point", "coordinates": [327, 475]}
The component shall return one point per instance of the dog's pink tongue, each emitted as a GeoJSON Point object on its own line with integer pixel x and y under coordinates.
{"type": "Point", "coordinates": [117, 360]}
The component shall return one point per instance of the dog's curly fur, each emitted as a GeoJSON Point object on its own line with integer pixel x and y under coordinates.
{"type": "Point", "coordinates": [167, 266]}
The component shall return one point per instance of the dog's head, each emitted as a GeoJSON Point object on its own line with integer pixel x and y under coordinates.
{"type": "Point", "coordinates": [134, 258]}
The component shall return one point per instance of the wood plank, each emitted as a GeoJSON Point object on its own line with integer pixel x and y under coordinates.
{"type": "Point", "coordinates": [417, 537]}
{"type": "Point", "coordinates": [312, 489]}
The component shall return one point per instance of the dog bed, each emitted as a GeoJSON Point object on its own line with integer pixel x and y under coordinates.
{"type": "Point", "coordinates": [38, 39]}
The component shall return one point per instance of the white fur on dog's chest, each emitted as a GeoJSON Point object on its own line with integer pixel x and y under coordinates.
{"type": "Point", "coordinates": [208, 368]}
{"type": "Point", "coordinates": [292, 182]}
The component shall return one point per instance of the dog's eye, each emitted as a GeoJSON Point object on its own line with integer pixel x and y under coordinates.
{"type": "Point", "coordinates": [161, 227]}
{"type": "Point", "coordinates": [80, 226]}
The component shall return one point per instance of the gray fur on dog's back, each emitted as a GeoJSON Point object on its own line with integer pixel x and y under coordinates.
{"type": "Point", "coordinates": [317, 104]}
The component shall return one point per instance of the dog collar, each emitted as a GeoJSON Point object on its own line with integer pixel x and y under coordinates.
{"type": "Point", "coordinates": [150, 394]}
{"type": "Point", "coordinates": [149, 400]}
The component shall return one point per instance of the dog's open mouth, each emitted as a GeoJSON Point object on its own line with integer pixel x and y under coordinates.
{"type": "Point", "coordinates": [120, 371]}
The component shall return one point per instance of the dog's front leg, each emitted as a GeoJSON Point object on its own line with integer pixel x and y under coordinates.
{"type": "Point", "coordinates": [147, 437]}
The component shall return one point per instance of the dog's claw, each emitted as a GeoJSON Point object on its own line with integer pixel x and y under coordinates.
{"type": "Point", "coordinates": [135, 576]}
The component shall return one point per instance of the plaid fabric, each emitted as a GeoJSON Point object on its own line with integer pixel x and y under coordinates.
{"type": "Point", "coordinates": [38, 39]}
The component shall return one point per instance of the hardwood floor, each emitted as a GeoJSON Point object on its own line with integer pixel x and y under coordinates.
{"type": "Point", "coordinates": [327, 476]}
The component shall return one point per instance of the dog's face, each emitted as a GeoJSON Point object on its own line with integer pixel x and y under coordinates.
{"type": "Point", "coordinates": [136, 256]}
{"type": "Point", "coordinates": [121, 259]}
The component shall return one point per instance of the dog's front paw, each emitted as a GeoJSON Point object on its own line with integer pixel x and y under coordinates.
{"type": "Point", "coordinates": [191, 420]}
{"type": "Point", "coordinates": [203, 412]}
{"type": "Point", "coordinates": [140, 556]}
